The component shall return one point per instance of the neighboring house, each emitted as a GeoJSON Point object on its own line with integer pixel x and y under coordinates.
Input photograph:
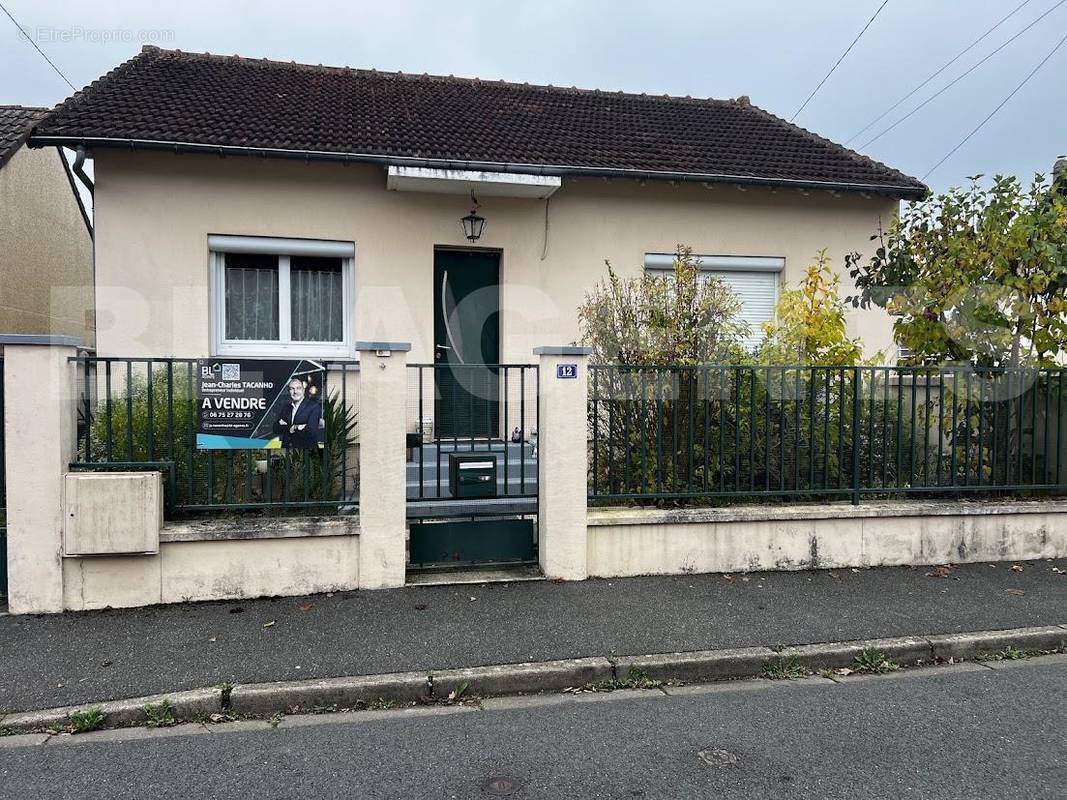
{"type": "Point", "coordinates": [46, 245]}
{"type": "Point", "coordinates": [251, 207]}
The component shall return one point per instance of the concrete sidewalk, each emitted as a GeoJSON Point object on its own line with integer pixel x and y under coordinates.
{"type": "Point", "coordinates": [81, 658]}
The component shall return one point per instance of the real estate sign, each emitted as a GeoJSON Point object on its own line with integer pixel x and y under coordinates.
{"type": "Point", "coordinates": [251, 404]}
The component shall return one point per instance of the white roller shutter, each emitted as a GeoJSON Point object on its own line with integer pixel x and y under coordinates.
{"type": "Point", "coordinates": [754, 279]}
{"type": "Point", "coordinates": [758, 292]}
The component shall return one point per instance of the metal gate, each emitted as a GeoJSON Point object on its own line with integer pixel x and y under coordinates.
{"type": "Point", "coordinates": [472, 487]}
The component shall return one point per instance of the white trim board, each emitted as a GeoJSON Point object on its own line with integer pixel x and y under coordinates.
{"type": "Point", "coordinates": [461, 181]}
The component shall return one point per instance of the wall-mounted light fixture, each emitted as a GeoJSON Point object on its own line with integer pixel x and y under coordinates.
{"type": "Point", "coordinates": [473, 225]}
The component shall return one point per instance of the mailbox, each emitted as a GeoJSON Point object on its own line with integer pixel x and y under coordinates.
{"type": "Point", "coordinates": [472, 474]}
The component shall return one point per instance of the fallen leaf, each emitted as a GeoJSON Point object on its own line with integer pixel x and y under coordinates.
{"type": "Point", "coordinates": [237, 610]}
{"type": "Point", "coordinates": [1016, 567]}
{"type": "Point", "coordinates": [943, 571]}
{"type": "Point", "coordinates": [269, 624]}
{"type": "Point", "coordinates": [306, 607]}
{"type": "Point", "coordinates": [1016, 592]}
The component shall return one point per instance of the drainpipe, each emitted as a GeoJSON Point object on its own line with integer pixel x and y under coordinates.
{"type": "Point", "coordinates": [79, 169]}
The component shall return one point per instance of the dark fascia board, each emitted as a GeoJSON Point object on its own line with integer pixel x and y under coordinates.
{"type": "Point", "coordinates": [900, 192]}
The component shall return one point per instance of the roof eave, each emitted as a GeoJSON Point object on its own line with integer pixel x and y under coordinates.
{"type": "Point", "coordinates": [903, 192]}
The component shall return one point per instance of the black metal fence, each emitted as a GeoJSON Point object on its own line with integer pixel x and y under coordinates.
{"type": "Point", "coordinates": [707, 433]}
{"type": "Point", "coordinates": [472, 408]}
{"type": "Point", "coordinates": [141, 413]}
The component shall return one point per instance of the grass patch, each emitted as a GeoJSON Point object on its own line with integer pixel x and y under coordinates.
{"type": "Point", "coordinates": [90, 719]}
{"type": "Point", "coordinates": [159, 715]}
{"type": "Point", "coordinates": [784, 669]}
{"type": "Point", "coordinates": [1010, 653]}
{"type": "Point", "coordinates": [873, 661]}
{"type": "Point", "coordinates": [635, 679]}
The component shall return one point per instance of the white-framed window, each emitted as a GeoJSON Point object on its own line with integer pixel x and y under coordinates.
{"type": "Point", "coordinates": [281, 297]}
{"type": "Point", "coordinates": [753, 279]}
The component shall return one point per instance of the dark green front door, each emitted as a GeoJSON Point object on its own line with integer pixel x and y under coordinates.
{"type": "Point", "coordinates": [466, 339]}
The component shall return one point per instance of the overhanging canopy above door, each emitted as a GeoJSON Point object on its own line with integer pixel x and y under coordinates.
{"type": "Point", "coordinates": [466, 182]}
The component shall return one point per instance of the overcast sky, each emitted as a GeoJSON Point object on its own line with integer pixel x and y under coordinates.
{"type": "Point", "coordinates": [775, 52]}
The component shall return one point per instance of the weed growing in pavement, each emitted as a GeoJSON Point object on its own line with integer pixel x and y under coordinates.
{"type": "Point", "coordinates": [88, 720]}
{"type": "Point", "coordinates": [159, 715]}
{"type": "Point", "coordinates": [784, 669]}
{"type": "Point", "coordinates": [635, 679]}
{"type": "Point", "coordinates": [1010, 653]}
{"type": "Point", "coordinates": [459, 695]}
{"type": "Point", "coordinates": [874, 661]}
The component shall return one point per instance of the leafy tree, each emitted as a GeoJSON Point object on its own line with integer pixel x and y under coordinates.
{"type": "Point", "coordinates": [678, 318]}
{"type": "Point", "coordinates": [809, 325]}
{"type": "Point", "coordinates": [976, 275]}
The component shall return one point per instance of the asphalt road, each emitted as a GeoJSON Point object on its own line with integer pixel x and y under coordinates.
{"type": "Point", "coordinates": [966, 731]}
{"type": "Point", "coordinates": [78, 658]}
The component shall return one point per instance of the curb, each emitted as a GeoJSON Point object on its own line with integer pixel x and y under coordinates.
{"type": "Point", "coordinates": [265, 699]}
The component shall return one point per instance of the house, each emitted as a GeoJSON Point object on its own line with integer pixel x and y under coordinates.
{"type": "Point", "coordinates": [46, 246]}
{"type": "Point", "coordinates": [414, 239]}
{"type": "Point", "coordinates": [250, 208]}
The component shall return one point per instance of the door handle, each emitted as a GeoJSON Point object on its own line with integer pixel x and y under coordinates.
{"type": "Point", "coordinates": [442, 347]}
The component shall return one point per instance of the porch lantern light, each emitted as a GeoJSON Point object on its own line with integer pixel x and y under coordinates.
{"type": "Point", "coordinates": [473, 225]}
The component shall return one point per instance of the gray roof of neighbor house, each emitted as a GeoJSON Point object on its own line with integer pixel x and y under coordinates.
{"type": "Point", "coordinates": [16, 122]}
{"type": "Point", "coordinates": [175, 100]}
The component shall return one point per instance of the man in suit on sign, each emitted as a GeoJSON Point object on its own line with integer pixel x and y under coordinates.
{"type": "Point", "coordinates": [298, 424]}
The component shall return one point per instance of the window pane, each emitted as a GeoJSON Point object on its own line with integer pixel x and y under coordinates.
{"type": "Point", "coordinates": [251, 296]}
{"type": "Point", "coordinates": [317, 299]}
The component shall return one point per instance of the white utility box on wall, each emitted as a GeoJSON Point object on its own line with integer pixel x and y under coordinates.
{"type": "Point", "coordinates": [112, 513]}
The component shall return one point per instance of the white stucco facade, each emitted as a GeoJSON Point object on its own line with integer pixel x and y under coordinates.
{"type": "Point", "coordinates": [154, 212]}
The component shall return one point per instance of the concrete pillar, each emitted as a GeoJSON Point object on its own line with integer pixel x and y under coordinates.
{"type": "Point", "coordinates": [382, 480]}
{"type": "Point", "coordinates": [562, 462]}
{"type": "Point", "coordinates": [39, 435]}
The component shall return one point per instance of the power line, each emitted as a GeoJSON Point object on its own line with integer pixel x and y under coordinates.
{"type": "Point", "coordinates": [842, 58]}
{"type": "Point", "coordinates": [956, 80]}
{"type": "Point", "coordinates": [945, 66]}
{"type": "Point", "coordinates": [1003, 103]}
{"type": "Point", "coordinates": [35, 47]}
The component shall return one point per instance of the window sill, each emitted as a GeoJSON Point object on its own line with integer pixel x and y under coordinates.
{"type": "Point", "coordinates": [309, 350]}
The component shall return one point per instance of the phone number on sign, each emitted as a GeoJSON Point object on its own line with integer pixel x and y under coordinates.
{"type": "Point", "coordinates": [228, 415]}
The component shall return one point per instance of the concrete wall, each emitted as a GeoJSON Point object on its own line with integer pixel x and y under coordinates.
{"type": "Point", "coordinates": [214, 569]}
{"type": "Point", "coordinates": [46, 253]}
{"type": "Point", "coordinates": [154, 212]}
{"type": "Point", "coordinates": [626, 542]}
